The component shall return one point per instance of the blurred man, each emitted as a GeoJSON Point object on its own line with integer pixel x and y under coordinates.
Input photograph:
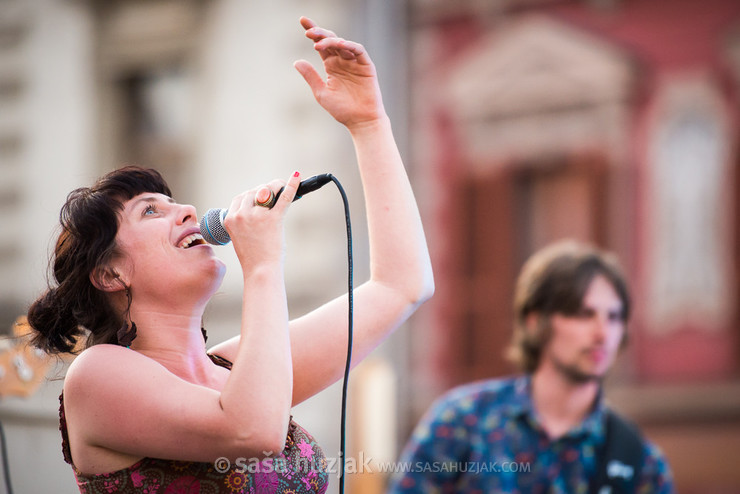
{"type": "Point", "coordinates": [547, 430]}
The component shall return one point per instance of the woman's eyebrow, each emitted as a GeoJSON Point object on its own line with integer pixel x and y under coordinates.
{"type": "Point", "coordinates": [151, 199]}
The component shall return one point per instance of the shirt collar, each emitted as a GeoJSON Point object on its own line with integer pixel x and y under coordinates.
{"type": "Point", "coordinates": [522, 406]}
{"type": "Point", "coordinates": [521, 402]}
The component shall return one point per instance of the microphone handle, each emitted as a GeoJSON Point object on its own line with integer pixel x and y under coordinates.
{"type": "Point", "coordinates": [306, 186]}
{"type": "Point", "coordinates": [212, 223]}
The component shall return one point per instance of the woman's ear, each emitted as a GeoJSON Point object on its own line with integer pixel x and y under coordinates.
{"type": "Point", "coordinates": [106, 279]}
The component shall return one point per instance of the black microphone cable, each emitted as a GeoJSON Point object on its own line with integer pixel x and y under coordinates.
{"type": "Point", "coordinates": [350, 326]}
{"type": "Point", "coordinates": [350, 329]}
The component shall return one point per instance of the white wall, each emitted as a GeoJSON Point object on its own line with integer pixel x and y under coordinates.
{"type": "Point", "coordinates": [255, 120]}
{"type": "Point", "coordinates": [55, 128]}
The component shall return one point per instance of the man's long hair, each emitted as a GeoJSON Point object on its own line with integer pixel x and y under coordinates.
{"type": "Point", "coordinates": [555, 280]}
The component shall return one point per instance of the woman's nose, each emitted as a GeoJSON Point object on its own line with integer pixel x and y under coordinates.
{"type": "Point", "coordinates": [186, 213]}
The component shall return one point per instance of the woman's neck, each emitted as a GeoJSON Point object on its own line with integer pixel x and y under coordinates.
{"type": "Point", "coordinates": [175, 341]}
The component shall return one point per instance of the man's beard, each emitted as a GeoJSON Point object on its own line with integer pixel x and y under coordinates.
{"type": "Point", "coordinates": [575, 375]}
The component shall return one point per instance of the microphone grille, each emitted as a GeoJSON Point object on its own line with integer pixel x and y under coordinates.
{"type": "Point", "coordinates": [212, 227]}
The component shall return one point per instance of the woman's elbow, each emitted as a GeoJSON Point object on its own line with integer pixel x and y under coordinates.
{"type": "Point", "coordinates": [428, 289]}
{"type": "Point", "coordinates": [426, 280]}
{"type": "Point", "coordinates": [265, 442]}
{"type": "Point", "coordinates": [259, 436]}
{"type": "Point", "coordinates": [423, 290]}
{"type": "Point", "coordinates": [411, 287]}
{"type": "Point", "coordinates": [274, 444]}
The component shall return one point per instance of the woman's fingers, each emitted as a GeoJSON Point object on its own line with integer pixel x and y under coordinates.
{"type": "Point", "coordinates": [307, 23]}
{"type": "Point", "coordinates": [315, 32]}
{"type": "Point", "coordinates": [289, 192]}
{"type": "Point", "coordinates": [328, 43]}
{"type": "Point", "coordinates": [311, 76]}
{"type": "Point", "coordinates": [254, 221]}
{"type": "Point", "coordinates": [319, 33]}
{"type": "Point", "coordinates": [264, 197]}
{"type": "Point", "coordinates": [348, 50]}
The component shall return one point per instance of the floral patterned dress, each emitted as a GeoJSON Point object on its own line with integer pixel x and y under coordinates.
{"type": "Point", "coordinates": [300, 468]}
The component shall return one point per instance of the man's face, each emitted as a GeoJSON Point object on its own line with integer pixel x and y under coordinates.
{"type": "Point", "coordinates": [582, 347]}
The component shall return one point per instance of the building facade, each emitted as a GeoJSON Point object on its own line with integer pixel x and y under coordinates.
{"type": "Point", "coordinates": [612, 122]}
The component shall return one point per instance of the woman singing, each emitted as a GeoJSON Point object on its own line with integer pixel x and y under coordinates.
{"type": "Point", "coordinates": [146, 407]}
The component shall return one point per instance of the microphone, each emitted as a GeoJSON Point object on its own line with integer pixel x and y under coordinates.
{"type": "Point", "coordinates": [212, 223]}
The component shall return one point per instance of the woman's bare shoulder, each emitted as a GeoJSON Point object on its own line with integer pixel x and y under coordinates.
{"type": "Point", "coordinates": [105, 363]}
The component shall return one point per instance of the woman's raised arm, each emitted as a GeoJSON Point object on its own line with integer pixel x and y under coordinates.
{"type": "Point", "coordinates": [400, 268]}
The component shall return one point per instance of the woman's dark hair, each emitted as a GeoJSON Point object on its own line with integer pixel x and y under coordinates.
{"type": "Point", "coordinates": [555, 280]}
{"type": "Point", "coordinates": [73, 306]}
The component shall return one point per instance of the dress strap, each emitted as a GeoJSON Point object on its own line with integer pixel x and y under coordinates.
{"type": "Point", "coordinates": [66, 451]}
{"type": "Point", "coordinates": [220, 361]}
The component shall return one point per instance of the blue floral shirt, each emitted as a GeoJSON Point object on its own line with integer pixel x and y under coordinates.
{"type": "Point", "coordinates": [486, 437]}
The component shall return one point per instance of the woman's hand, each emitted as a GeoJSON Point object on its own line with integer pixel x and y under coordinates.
{"type": "Point", "coordinates": [350, 93]}
{"type": "Point", "coordinates": [257, 231]}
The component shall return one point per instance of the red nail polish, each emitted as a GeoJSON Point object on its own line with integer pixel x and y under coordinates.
{"type": "Point", "coordinates": [296, 174]}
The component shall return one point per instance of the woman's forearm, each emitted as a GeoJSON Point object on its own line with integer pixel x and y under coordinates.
{"type": "Point", "coordinates": [260, 386]}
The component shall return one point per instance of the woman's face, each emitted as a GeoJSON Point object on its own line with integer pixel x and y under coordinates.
{"type": "Point", "coordinates": [162, 254]}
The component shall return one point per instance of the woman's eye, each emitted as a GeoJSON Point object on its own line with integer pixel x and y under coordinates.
{"type": "Point", "coordinates": [150, 209]}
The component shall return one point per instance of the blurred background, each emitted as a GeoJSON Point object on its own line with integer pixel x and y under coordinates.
{"type": "Point", "coordinates": [521, 122]}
